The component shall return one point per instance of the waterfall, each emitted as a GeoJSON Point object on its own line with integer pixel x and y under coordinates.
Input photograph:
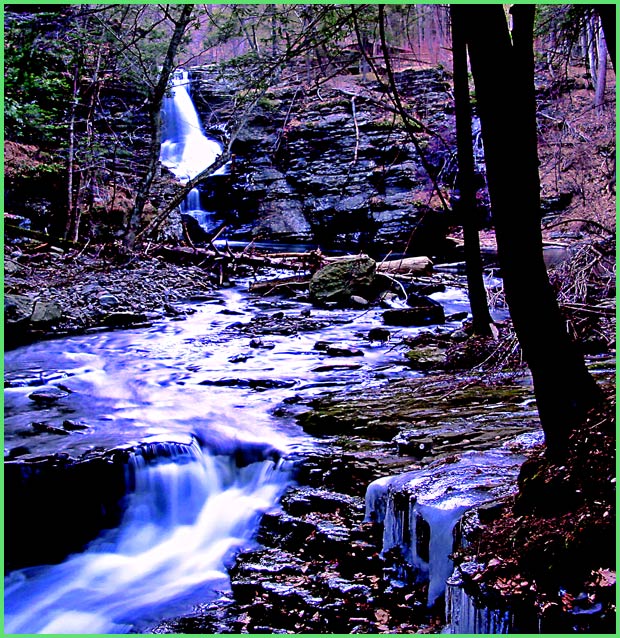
{"type": "Point", "coordinates": [186, 150]}
{"type": "Point", "coordinates": [187, 514]}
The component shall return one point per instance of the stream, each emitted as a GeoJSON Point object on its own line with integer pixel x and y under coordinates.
{"type": "Point", "coordinates": [192, 404]}
{"type": "Point", "coordinates": [193, 400]}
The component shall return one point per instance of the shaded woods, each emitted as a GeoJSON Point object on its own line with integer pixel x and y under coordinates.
{"type": "Point", "coordinates": [427, 141]}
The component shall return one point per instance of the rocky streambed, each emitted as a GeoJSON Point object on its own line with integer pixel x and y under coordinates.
{"type": "Point", "coordinates": [376, 457]}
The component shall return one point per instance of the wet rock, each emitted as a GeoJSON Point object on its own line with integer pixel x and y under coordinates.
{"type": "Point", "coordinates": [108, 300]}
{"type": "Point", "coordinates": [17, 308]}
{"type": "Point", "coordinates": [389, 300]}
{"type": "Point", "coordinates": [290, 531]}
{"type": "Point", "coordinates": [305, 499]}
{"type": "Point", "coordinates": [124, 319]}
{"type": "Point", "coordinates": [227, 311]}
{"type": "Point", "coordinates": [341, 588]}
{"type": "Point", "coordinates": [48, 396]}
{"type": "Point", "coordinates": [337, 366]}
{"type": "Point", "coordinates": [459, 336]}
{"type": "Point", "coordinates": [46, 313]}
{"type": "Point", "coordinates": [283, 219]}
{"type": "Point", "coordinates": [240, 358]}
{"type": "Point", "coordinates": [457, 316]}
{"type": "Point", "coordinates": [74, 426]}
{"type": "Point", "coordinates": [173, 311]}
{"type": "Point", "coordinates": [322, 346]}
{"type": "Point", "coordinates": [259, 343]}
{"type": "Point", "coordinates": [343, 351]}
{"type": "Point", "coordinates": [254, 384]}
{"type": "Point", "coordinates": [358, 302]}
{"type": "Point", "coordinates": [427, 358]}
{"type": "Point", "coordinates": [379, 334]}
{"type": "Point", "coordinates": [342, 279]}
{"type": "Point", "coordinates": [422, 315]}
{"type": "Point", "coordinates": [45, 428]}
{"type": "Point", "coordinates": [87, 496]}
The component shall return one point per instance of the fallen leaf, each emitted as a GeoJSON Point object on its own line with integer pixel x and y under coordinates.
{"type": "Point", "coordinates": [382, 616]}
{"type": "Point", "coordinates": [605, 577]}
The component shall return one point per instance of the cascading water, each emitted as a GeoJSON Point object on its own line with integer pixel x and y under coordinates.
{"type": "Point", "coordinates": [186, 150]}
{"type": "Point", "coordinates": [184, 519]}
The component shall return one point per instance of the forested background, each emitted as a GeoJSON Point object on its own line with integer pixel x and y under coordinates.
{"type": "Point", "coordinates": [84, 85]}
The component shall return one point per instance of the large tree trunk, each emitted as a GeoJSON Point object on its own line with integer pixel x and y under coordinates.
{"type": "Point", "coordinates": [154, 110]}
{"type": "Point", "coordinates": [607, 13]}
{"type": "Point", "coordinates": [564, 389]}
{"type": "Point", "coordinates": [465, 184]}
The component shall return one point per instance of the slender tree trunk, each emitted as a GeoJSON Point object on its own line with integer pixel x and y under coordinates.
{"type": "Point", "coordinates": [564, 389]}
{"type": "Point", "coordinates": [154, 111]}
{"type": "Point", "coordinates": [591, 50]}
{"type": "Point", "coordinates": [601, 73]}
{"type": "Point", "coordinates": [465, 184]}
{"type": "Point", "coordinates": [71, 222]}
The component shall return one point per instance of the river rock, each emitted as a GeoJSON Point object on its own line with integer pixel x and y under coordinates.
{"type": "Point", "coordinates": [48, 396]}
{"type": "Point", "coordinates": [340, 280]}
{"type": "Point", "coordinates": [423, 315]}
{"type": "Point", "coordinates": [343, 351]}
{"type": "Point", "coordinates": [20, 310]}
{"type": "Point", "coordinates": [379, 334]}
{"type": "Point", "coordinates": [358, 302]}
{"type": "Point", "coordinates": [122, 319]}
{"type": "Point", "coordinates": [17, 309]}
{"type": "Point", "coordinates": [254, 384]}
{"type": "Point", "coordinates": [107, 300]}
{"type": "Point", "coordinates": [46, 313]}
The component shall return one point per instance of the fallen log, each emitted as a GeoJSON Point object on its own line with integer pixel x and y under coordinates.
{"type": "Point", "coordinates": [407, 266]}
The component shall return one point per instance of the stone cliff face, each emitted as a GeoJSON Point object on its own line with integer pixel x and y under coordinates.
{"type": "Point", "coordinates": [318, 166]}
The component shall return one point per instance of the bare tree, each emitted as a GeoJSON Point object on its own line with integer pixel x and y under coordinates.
{"type": "Point", "coordinates": [154, 104]}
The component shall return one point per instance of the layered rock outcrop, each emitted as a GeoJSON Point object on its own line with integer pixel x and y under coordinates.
{"type": "Point", "coordinates": [335, 167]}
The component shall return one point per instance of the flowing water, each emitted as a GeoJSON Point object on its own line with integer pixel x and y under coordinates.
{"type": "Point", "coordinates": [186, 151]}
{"type": "Point", "coordinates": [199, 386]}
{"type": "Point", "coordinates": [193, 401]}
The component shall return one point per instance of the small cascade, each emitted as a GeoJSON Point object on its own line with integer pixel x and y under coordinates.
{"type": "Point", "coordinates": [420, 509]}
{"type": "Point", "coordinates": [186, 515]}
{"type": "Point", "coordinates": [186, 150]}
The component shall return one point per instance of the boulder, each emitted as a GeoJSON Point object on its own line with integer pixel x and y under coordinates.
{"type": "Point", "coordinates": [426, 358]}
{"type": "Point", "coordinates": [341, 280]}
